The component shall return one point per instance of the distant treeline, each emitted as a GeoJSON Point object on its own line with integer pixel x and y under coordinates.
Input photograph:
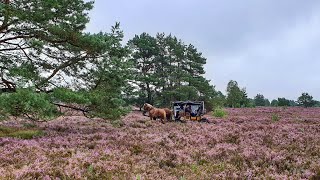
{"type": "Point", "coordinates": [237, 97]}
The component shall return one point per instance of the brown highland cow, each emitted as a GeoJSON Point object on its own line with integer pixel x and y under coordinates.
{"type": "Point", "coordinates": [155, 113]}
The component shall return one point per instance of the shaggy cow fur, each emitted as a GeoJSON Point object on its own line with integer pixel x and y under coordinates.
{"type": "Point", "coordinates": [155, 113]}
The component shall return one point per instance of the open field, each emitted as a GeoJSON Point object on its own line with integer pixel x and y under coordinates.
{"type": "Point", "coordinates": [271, 143]}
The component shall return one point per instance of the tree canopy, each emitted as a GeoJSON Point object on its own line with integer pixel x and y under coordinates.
{"type": "Point", "coordinates": [43, 40]}
{"type": "Point", "coordinates": [306, 100]}
{"type": "Point", "coordinates": [236, 97]}
{"type": "Point", "coordinates": [43, 48]}
{"type": "Point", "coordinates": [283, 102]}
{"type": "Point", "coordinates": [166, 69]}
{"type": "Point", "coordinates": [260, 100]}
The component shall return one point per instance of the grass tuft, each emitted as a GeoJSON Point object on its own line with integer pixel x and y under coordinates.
{"type": "Point", "coordinates": [20, 133]}
{"type": "Point", "coordinates": [275, 117]}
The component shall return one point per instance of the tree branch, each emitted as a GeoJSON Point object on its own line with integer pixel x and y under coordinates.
{"type": "Point", "coordinates": [84, 111]}
{"type": "Point", "coordinates": [15, 37]}
{"type": "Point", "coordinates": [62, 66]}
{"type": "Point", "coordinates": [10, 85]}
{"type": "Point", "coordinates": [15, 48]}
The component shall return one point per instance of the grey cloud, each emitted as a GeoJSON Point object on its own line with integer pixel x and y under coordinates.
{"type": "Point", "coordinates": [268, 46]}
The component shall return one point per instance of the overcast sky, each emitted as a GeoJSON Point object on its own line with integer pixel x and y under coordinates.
{"type": "Point", "coordinates": [270, 47]}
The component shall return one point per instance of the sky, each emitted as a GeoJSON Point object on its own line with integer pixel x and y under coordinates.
{"type": "Point", "coordinates": [269, 47]}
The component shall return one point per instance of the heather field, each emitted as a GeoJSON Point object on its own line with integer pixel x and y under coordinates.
{"type": "Point", "coordinates": [268, 143]}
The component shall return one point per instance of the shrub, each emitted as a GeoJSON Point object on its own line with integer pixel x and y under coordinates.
{"type": "Point", "coordinates": [26, 102]}
{"type": "Point", "coordinates": [219, 112]}
{"type": "Point", "coordinates": [117, 123]}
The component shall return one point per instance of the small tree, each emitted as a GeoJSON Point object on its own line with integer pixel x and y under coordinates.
{"type": "Point", "coordinates": [259, 100]}
{"type": "Point", "coordinates": [219, 100]}
{"type": "Point", "coordinates": [274, 103]}
{"type": "Point", "coordinates": [292, 103]}
{"type": "Point", "coordinates": [267, 102]}
{"type": "Point", "coordinates": [317, 104]}
{"type": "Point", "coordinates": [244, 102]}
{"type": "Point", "coordinates": [306, 100]}
{"type": "Point", "coordinates": [251, 103]}
{"type": "Point", "coordinates": [234, 94]}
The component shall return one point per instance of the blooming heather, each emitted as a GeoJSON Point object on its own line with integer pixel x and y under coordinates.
{"type": "Point", "coordinates": [245, 144]}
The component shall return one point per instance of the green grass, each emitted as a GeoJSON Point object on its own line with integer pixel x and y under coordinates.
{"type": "Point", "coordinates": [138, 177]}
{"type": "Point", "coordinates": [197, 171]}
{"type": "Point", "coordinates": [275, 117]}
{"type": "Point", "coordinates": [21, 133]}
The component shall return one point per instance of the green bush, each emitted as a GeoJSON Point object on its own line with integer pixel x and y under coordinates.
{"type": "Point", "coordinates": [27, 102]}
{"type": "Point", "coordinates": [219, 112]}
{"type": "Point", "coordinates": [117, 123]}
